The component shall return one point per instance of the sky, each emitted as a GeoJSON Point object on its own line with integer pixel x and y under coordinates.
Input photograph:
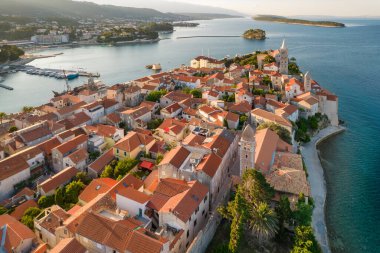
{"type": "Point", "coordinates": [277, 7]}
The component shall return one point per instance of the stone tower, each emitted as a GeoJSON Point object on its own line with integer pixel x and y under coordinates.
{"type": "Point", "coordinates": [284, 59]}
{"type": "Point", "coordinates": [247, 149]}
{"type": "Point", "coordinates": [307, 82]}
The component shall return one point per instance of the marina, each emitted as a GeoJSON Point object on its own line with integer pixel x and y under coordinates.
{"type": "Point", "coordinates": [57, 73]}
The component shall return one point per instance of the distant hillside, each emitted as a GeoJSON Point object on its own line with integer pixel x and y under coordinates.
{"type": "Point", "coordinates": [205, 16]}
{"type": "Point", "coordinates": [279, 19]}
{"type": "Point", "coordinates": [71, 9]}
{"type": "Point", "coordinates": [78, 9]}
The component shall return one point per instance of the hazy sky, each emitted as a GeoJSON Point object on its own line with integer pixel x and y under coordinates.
{"type": "Point", "coordinates": [285, 7]}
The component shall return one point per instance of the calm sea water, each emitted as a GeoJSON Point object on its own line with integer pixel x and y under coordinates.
{"type": "Point", "coordinates": [346, 61]}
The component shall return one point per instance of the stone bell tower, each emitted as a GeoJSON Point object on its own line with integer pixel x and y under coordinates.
{"type": "Point", "coordinates": [284, 59]}
{"type": "Point", "coordinates": [307, 82]}
{"type": "Point", "coordinates": [247, 149]}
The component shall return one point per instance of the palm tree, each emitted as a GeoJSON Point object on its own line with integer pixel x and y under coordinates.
{"type": "Point", "coordinates": [263, 222]}
{"type": "Point", "coordinates": [2, 115]}
{"type": "Point", "coordinates": [27, 109]}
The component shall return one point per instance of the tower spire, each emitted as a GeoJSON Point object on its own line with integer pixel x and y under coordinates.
{"type": "Point", "coordinates": [283, 46]}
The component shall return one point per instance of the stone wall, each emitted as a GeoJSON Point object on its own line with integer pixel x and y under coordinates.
{"type": "Point", "coordinates": [205, 235]}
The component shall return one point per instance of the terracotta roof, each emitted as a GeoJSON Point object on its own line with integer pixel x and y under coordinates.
{"type": "Point", "coordinates": [135, 195]}
{"type": "Point", "coordinates": [128, 181]}
{"type": "Point", "coordinates": [114, 118]}
{"type": "Point", "coordinates": [271, 117]}
{"type": "Point", "coordinates": [11, 166]}
{"type": "Point", "coordinates": [121, 235]}
{"type": "Point", "coordinates": [54, 219]}
{"type": "Point", "coordinates": [243, 107]}
{"type": "Point", "coordinates": [209, 164]}
{"type": "Point", "coordinates": [107, 103]}
{"type": "Point", "coordinates": [184, 204]}
{"type": "Point", "coordinates": [58, 179]}
{"type": "Point", "coordinates": [76, 120]}
{"type": "Point", "coordinates": [20, 210]}
{"type": "Point", "coordinates": [69, 245]}
{"type": "Point", "coordinates": [78, 156]}
{"type": "Point", "coordinates": [194, 140]}
{"type": "Point", "coordinates": [172, 108]}
{"type": "Point", "coordinates": [71, 144]}
{"type": "Point", "coordinates": [220, 142]}
{"type": "Point", "coordinates": [137, 112]}
{"type": "Point", "coordinates": [133, 140]}
{"type": "Point", "coordinates": [102, 130]}
{"type": "Point", "coordinates": [24, 192]}
{"type": "Point", "coordinates": [289, 180]}
{"type": "Point", "coordinates": [96, 187]}
{"type": "Point", "coordinates": [36, 133]}
{"type": "Point", "coordinates": [176, 157]}
{"type": "Point", "coordinates": [290, 109]}
{"type": "Point", "coordinates": [70, 109]}
{"type": "Point", "coordinates": [151, 181]}
{"type": "Point", "coordinates": [48, 145]}
{"type": "Point", "coordinates": [16, 232]}
{"type": "Point", "coordinates": [173, 125]}
{"type": "Point", "coordinates": [102, 161]}
{"type": "Point", "coordinates": [66, 134]}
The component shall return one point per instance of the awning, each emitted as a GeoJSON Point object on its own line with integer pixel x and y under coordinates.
{"type": "Point", "coordinates": [147, 165]}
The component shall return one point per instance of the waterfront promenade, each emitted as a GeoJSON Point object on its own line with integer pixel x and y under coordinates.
{"type": "Point", "coordinates": [317, 183]}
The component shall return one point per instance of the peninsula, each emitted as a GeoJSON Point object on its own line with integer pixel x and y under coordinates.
{"type": "Point", "coordinates": [254, 34]}
{"type": "Point", "coordinates": [280, 19]}
{"type": "Point", "coordinates": [206, 131]}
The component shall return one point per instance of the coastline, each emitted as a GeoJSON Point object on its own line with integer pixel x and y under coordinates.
{"type": "Point", "coordinates": [318, 184]}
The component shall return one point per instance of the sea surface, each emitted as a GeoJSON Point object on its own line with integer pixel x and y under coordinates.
{"type": "Point", "coordinates": [344, 60]}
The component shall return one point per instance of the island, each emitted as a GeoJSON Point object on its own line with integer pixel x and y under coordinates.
{"type": "Point", "coordinates": [280, 19]}
{"type": "Point", "coordinates": [254, 34]}
{"type": "Point", "coordinates": [185, 24]}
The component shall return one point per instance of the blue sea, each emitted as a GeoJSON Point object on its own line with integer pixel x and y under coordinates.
{"type": "Point", "coordinates": [344, 60]}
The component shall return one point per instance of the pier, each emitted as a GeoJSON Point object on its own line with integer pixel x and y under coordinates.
{"type": "Point", "coordinates": [5, 87]}
{"type": "Point", "coordinates": [57, 73]}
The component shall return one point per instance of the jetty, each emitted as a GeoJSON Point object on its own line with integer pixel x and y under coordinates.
{"type": "Point", "coordinates": [5, 87]}
{"type": "Point", "coordinates": [57, 73]}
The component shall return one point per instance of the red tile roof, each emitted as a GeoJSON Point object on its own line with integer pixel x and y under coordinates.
{"type": "Point", "coordinates": [96, 187]}
{"type": "Point", "coordinates": [58, 179]}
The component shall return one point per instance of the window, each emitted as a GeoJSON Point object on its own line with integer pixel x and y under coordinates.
{"type": "Point", "coordinates": [203, 212]}
{"type": "Point", "coordinates": [188, 233]}
{"type": "Point", "coordinates": [187, 244]}
{"type": "Point", "coordinates": [195, 223]}
{"type": "Point", "coordinates": [205, 199]}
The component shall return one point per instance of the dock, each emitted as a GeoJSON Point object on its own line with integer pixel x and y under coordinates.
{"type": "Point", "coordinates": [57, 73]}
{"type": "Point", "coordinates": [5, 87]}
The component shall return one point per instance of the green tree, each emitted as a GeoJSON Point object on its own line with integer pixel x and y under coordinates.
{"type": "Point", "coordinates": [305, 241]}
{"type": "Point", "coordinates": [256, 188]}
{"type": "Point", "coordinates": [269, 59]}
{"type": "Point", "coordinates": [29, 215]}
{"type": "Point", "coordinates": [108, 172]}
{"type": "Point", "coordinates": [3, 210]}
{"type": "Point", "coordinates": [293, 69]}
{"type": "Point", "coordinates": [263, 222]}
{"type": "Point", "coordinates": [2, 116]}
{"type": "Point", "coordinates": [60, 197]}
{"type": "Point", "coordinates": [72, 191]}
{"type": "Point", "coordinates": [196, 93]}
{"type": "Point", "coordinates": [303, 212]}
{"type": "Point", "coordinates": [94, 155]}
{"type": "Point", "coordinates": [124, 166]}
{"type": "Point", "coordinates": [12, 129]}
{"type": "Point", "coordinates": [159, 158]}
{"type": "Point", "coordinates": [154, 123]}
{"type": "Point", "coordinates": [27, 109]}
{"type": "Point", "coordinates": [154, 96]}
{"type": "Point", "coordinates": [83, 177]}
{"type": "Point", "coordinates": [46, 201]}
{"type": "Point", "coordinates": [285, 215]}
